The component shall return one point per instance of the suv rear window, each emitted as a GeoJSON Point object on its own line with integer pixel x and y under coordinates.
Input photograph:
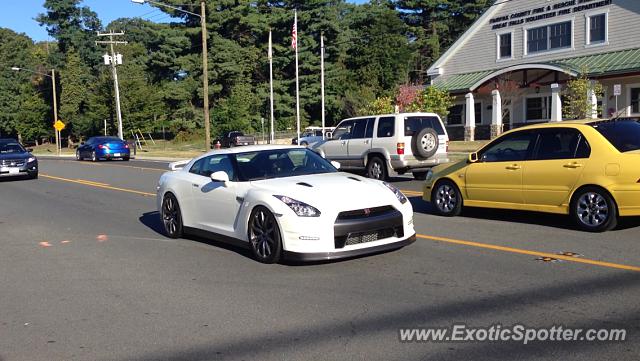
{"type": "Point", "coordinates": [622, 134]}
{"type": "Point", "coordinates": [413, 125]}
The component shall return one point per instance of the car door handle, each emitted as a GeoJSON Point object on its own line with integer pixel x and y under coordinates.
{"type": "Point", "coordinates": [572, 165]}
{"type": "Point", "coordinates": [366, 141]}
{"type": "Point", "coordinates": [513, 167]}
{"type": "Point", "coordinates": [343, 142]}
{"type": "Point", "coordinates": [195, 185]}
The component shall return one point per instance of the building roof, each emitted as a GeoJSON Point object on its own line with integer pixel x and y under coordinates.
{"type": "Point", "coordinates": [613, 63]}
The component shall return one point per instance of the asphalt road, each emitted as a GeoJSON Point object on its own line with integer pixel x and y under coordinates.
{"type": "Point", "coordinates": [86, 274]}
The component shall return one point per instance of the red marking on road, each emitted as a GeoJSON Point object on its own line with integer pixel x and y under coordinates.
{"type": "Point", "coordinates": [44, 244]}
{"type": "Point", "coordinates": [102, 237]}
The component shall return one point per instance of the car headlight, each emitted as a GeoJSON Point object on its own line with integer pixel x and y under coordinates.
{"type": "Point", "coordinates": [31, 159]}
{"type": "Point", "coordinates": [300, 208]}
{"type": "Point", "coordinates": [401, 197]}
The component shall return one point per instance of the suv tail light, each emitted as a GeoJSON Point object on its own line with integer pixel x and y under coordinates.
{"type": "Point", "coordinates": [126, 145]}
{"type": "Point", "coordinates": [400, 148]}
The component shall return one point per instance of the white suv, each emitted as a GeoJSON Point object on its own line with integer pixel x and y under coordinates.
{"type": "Point", "coordinates": [379, 144]}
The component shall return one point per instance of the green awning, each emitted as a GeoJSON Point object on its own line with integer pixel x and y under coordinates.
{"type": "Point", "coordinates": [611, 63]}
{"type": "Point", "coordinates": [461, 82]}
{"type": "Point", "coordinates": [616, 62]}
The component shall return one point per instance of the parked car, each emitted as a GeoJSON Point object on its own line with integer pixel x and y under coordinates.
{"type": "Point", "coordinates": [587, 169]}
{"type": "Point", "coordinates": [405, 142]}
{"type": "Point", "coordinates": [96, 148]}
{"type": "Point", "coordinates": [311, 135]}
{"type": "Point", "coordinates": [281, 201]}
{"type": "Point", "coordinates": [15, 160]}
{"type": "Point", "coordinates": [235, 138]}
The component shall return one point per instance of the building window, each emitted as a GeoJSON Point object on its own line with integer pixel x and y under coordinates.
{"type": "Point", "coordinates": [477, 109]}
{"type": "Point", "coordinates": [456, 115]}
{"type": "Point", "coordinates": [538, 108]}
{"type": "Point", "coordinates": [550, 37]}
{"type": "Point", "coordinates": [537, 39]}
{"type": "Point", "coordinates": [505, 46]}
{"type": "Point", "coordinates": [560, 35]}
{"type": "Point", "coordinates": [635, 100]}
{"type": "Point", "coordinates": [597, 29]}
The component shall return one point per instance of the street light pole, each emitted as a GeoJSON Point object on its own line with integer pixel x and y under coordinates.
{"type": "Point", "coordinates": [205, 77]}
{"type": "Point", "coordinates": [205, 71]}
{"type": "Point", "coordinates": [55, 102]}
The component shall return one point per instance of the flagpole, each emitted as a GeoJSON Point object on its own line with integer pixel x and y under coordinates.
{"type": "Point", "coordinates": [295, 25]}
{"type": "Point", "coordinates": [322, 78]}
{"type": "Point", "coordinates": [272, 135]}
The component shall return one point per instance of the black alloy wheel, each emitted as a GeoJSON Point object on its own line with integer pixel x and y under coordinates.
{"type": "Point", "coordinates": [264, 236]}
{"type": "Point", "coordinates": [171, 216]}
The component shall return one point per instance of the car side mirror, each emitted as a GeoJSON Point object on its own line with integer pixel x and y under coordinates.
{"type": "Point", "coordinates": [30, 150]}
{"type": "Point", "coordinates": [335, 164]}
{"type": "Point", "coordinates": [221, 177]}
{"type": "Point", "coordinates": [329, 135]}
{"type": "Point", "coordinates": [473, 157]}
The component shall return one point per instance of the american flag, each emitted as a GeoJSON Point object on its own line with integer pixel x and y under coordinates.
{"type": "Point", "coordinates": [294, 33]}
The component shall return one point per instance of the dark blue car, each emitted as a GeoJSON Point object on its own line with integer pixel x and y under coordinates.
{"type": "Point", "coordinates": [96, 148]}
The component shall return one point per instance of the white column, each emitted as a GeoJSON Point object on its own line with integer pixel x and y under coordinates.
{"type": "Point", "coordinates": [593, 99]}
{"type": "Point", "coordinates": [556, 103]}
{"type": "Point", "coordinates": [470, 118]}
{"type": "Point", "coordinates": [496, 114]}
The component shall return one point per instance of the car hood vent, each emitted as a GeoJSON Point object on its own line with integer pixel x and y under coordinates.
{"type": "Point", "coordinates": [304, 184]}
{"type": "Point", "coordinates": [355, 179]}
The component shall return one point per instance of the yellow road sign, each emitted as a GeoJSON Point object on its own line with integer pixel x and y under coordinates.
{"type": "Point", "coordinates": [58, 125]}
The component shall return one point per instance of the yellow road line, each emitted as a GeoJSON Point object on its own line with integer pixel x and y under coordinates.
{"type": "Point", "coordinates": [411, 193]}
{"type": "Point", "coordinates": [92, 182]}
{"type": "Point", "coordinates": [531, 253]}
{"type": "Point", "coordinates": [99, 185]}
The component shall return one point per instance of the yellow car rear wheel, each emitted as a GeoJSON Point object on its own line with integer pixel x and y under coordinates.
{"type": "Point", "coordinates": [594, 210]}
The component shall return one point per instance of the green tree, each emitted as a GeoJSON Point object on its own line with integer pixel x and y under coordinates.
{"type": "Point", "coordinates": [382, 105]}
{"type": "Point", "coordinates": [434, 100]}
{"type": "Point", "coordinates": [577, 104]}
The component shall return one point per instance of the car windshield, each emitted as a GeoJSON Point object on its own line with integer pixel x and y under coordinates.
{"type": "Point", "coordinates": [8, 148]}
{"type": "Point", "coordinates": [280, 163]}
{"type": "Point", "coordinates": [622, 134]}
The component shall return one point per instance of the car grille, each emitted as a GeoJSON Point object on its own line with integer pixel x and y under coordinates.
{"type": "Point", "coordinates": [365, 213]}
{"type": "Point", "coordinates": [364, 237]}
{"type": "Point", "coordinates": [12, 162]}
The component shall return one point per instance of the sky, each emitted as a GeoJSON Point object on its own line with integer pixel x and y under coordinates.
{"type": "Point", "coordinates": [19, 15]}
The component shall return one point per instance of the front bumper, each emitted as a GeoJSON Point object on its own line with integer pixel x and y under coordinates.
{"type": "Point", "coordinates": [325, 256]}
{"type": "Point", "coordinates": [333, 236]}
{"type": "Point", "coordinates": [29, 169]}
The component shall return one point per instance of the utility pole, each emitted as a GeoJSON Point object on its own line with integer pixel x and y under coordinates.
{"type": "Point", "coordinates": [205, 76]}
{"type": "Point", "coordinates": [55, 111]}
{"type": "Point", "coordinates": [113, 60]}
{"type": "Point", "coordinates": [322, 78]}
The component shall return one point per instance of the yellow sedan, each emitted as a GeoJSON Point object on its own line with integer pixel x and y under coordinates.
{"type": "Point", "coordinates": [587, 169]}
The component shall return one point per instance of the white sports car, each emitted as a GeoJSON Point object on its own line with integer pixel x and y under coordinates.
{"type": "Point", "coordinates": [283, 201]}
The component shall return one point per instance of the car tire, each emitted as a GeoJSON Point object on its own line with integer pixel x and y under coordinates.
{"type": "Point", "coordinates": [264, 235]}
{"type": "Point", "coordinates": [304, 144]}
{"type": "Point", "coordinates": [126, 159]}
{"type": "Point", "coordinates": [94, 157]}
{"type": "Point", "coordinates": [33, 175]}
{"type": "Point", "coordinates": [593, 210]}
{"type": "Point", "coordinates": [78, 156]}
{"type": "Point", "coordinates": [377, 169]}
{"type": "Point", "coordinates": [446, 198]}
{"type": "Point", "coordinates": [424, 143]}
{"type": "Point", "coordinates": [171, 216]}
{"type": "Point", "coordinates": [420, 175]}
